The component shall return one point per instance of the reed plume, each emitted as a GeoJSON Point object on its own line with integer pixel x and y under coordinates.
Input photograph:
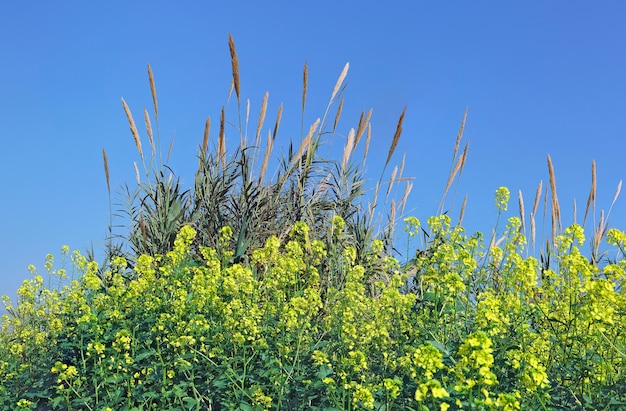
{"type": "Point", "coordinates": [235, 66]}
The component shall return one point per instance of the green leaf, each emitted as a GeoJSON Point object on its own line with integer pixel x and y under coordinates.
{"type": "Point", "coordinates": [190, 402]}
{"type": "Point", "coordinates": [144, 355]}
{"type": "Point", "coordinates": [245, 406]}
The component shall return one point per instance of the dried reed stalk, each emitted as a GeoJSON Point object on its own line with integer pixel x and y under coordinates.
{"type": "Point", "coordinates": [619, 189]}
{"type": "Point", "coordinates": [305, 85]}
{"type": "Point", "coordinates": [137, 177]}
{"type": "Point", "coordinates": [235, 66]}
{"type": "Point", "coordinates": [459, 135]}
{"type": "Point", "coordinates": [522, 214]}
{"type": "Point", "coordinates": [305, 143]}
{"type": "Point", "coordinates": [361, 128]}
{"type": "Point", "coordinates": [338, 114]}
{"type": "Point", "coordinates": [367, 142]}
{"type": "Point", "coordinates": [142, 225]}
{"type": "Point", "coordinates": [396, 138]}
{"type": "Point", "coordinates": [169, 150]}
{"type": "Point", "coordinates": [133, 128]}
{"type": "Point", "coordinates": [205, 139]}
{"type": "Point", "coordinates": [146, 118]}
{"type": "Point", "coordinates": [221, 142]}
{"type": "Point", "coordinates": [342, 77]}
{"type": "Point", "coordinates": [598, 234]}
{"type": "Point", "coordinates": [347, 150]}
{"type": "Point", "coordinates": [405, 196]}
{"type": "Point", "coordinates": [460, 163]}
{"type": "Point", "coordinates": [462, 213]}
{"type": "Point", "coordinates": [591, 200]}
{"type": "Point", "coordinates": [261, 118]}
{"type": "Point", "coordinates": [374, 199]}
{"type": "Point", "coordinates": [243, 137]}
{"type": "Point", "coordinates": [533, 213]}
{"type": "Point", "coordinates": [401, 172]}
{"type": "Point", "coordinates": [278, 117]}
{"type": "Point", "coordinates": [464, 158]}
{"type": "Point", "coordinates": [537, 197]}
{"type": "Point", "coordinates": [155, 102]}
{"type": "Point", "coordinates": [266, 157]}
{"type": "Point", "coordinates": [392, 218]}
{"type": "Point", "coordinates": [556, 211]}
{"type": "Point", "coordinates": [391, 181]}
{"type": "Point", "coordinates": [105, 159]}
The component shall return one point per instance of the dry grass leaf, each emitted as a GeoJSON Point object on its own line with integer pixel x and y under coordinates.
{"type": "Point", "coordinates": [619, 189]}
{"type": "Point", "coordinates": [367, 142]}
{"type": "Point", "coordinates": [235, 66]}
{"type": "Point", "coordinates": [556, 210]}
{"type": "Point", "coordinates": [591, 200]}
{"type": "Point", "coordinates": [261, 118]}
{"type": "Point", "coordinates": [537, 197]}
{"type": "Point", "coordinates": [462, 213]}
{"type": "Point", "coordinates": [133, 128]}
{"type": "Point", "coordinates": [338, 114]}
{"type": "Point", "coordinates": [155, 102]}
{"type": "Point", "coordinates": [221, 142]}
{"type": "Point", "coordinates": [105, 159]}
{"type": "Point", "coordinates": [396, 137]}
{"type": "Point", "coordinates": [342, 77]}
{"type": "Point", "coordinates": [207, 130]}
{"type": "Point", "coordinates": [305, 142]}
{"type": "Point", "coordinates": [363, 122]}
{"type": "Point", "coordinates": [405, 196]}
{"type": "Point", "coordinates": [277, 123]}
{"type": "Point", "coordinates": [521, 209]}
{"type": "Point", "coordinates": [347, 150]}
{"type": "Point", "coordinates": [137, 176]}
{"type": "Point", "coordinates": [169, 150]}
{"type": "Point", "coordinates": [391, 181]}
{"type": "Point", "coordinates": [146, 118]}
{"type": "Point", "coordinates": [305, 85]}
{"type": "Point", "coordinates": [266, 157]}
{"type": "Point", "coordinates": [458, 166]}
{"type": "Point", "coordinates": [459, 135]}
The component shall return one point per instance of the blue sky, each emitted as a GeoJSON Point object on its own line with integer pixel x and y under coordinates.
{"type": "Point", "coordinates": [539, 78]}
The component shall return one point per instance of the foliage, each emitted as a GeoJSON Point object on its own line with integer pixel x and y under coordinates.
{"type": "Point", "coordinates": [256, 293]}
{"type": "Point", "coordinates": [474, 328]}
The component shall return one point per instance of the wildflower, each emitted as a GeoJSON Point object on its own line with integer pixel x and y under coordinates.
{"type": "Point", "coordinates": [392, 386]}
{"type": "Point", "coordinates": [412, 226]}
{"type": "Point", "coordinates": [262, 399]}
{"type": "Point", "coordinates": [616, 237]}
{"type": "Point", "coordinates": [25, 404]}
{"type": "Point", "coordinates": [319, 358]}
{"type": "Point", "coordinates": [338, 225]}
{"type": "Point", "coordinates": [364, 396]}
{"type": "Point", "coordinates": [502, 198]}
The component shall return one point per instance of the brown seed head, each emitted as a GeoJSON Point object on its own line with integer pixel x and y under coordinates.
{"type": "Point", "coordinates": [106, 170]}
{"type": "Point", "coordinates": [133, 128]}
{"type": "Point", "coordinates": [235, 65]}
{"type": "Point", "coordinates": [155, 102]}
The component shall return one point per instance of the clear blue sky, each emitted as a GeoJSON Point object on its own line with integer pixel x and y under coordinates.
{"type": "Point", "coordinates": [538, 77]}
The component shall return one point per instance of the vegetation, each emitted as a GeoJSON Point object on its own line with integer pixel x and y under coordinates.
{"type": "Point", "coordinates": [258, 293]}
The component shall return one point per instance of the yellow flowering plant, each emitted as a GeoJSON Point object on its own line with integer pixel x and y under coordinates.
{"type": "Point", "coordinates": [175, 331]}
{"type": "Point", "coordinates": [250, 294]}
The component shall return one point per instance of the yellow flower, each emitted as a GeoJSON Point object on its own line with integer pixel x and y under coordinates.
{"type": "Point", "coordinates": [23, 403]}
{"type": "Point", "coordinates": [502, 198]}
